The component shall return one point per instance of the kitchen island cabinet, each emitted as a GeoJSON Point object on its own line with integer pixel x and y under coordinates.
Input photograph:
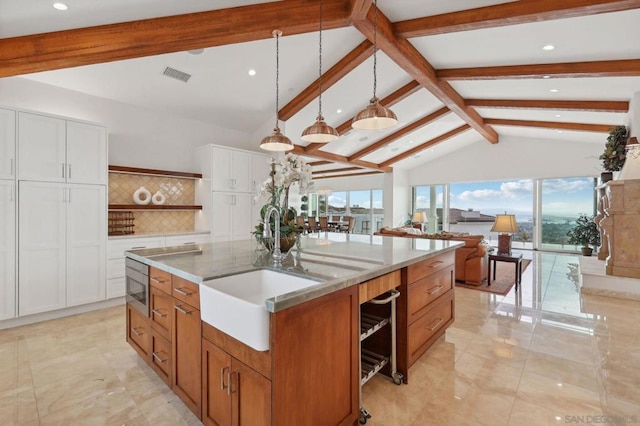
{"type": "Point", "coordinates": [310, 373]}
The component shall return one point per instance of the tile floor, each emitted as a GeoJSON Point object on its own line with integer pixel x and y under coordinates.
{"type": "Point", "coordinates": [540, 357]}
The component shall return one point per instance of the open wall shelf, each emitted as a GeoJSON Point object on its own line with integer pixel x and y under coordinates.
{"type": "Point", "coordinates": [151, 207]}
{"type": "Point", "coordinates": [154, 172]}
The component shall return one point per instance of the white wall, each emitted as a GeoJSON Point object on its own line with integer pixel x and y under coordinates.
{"type": "Point", "coordinates": [512, 158]}
{"type": "Point", "coordinates": [397, 198]}
{"type": "Point", "coordinates": [137, 137]}
{"type": "Point", "coordinates": [352, 183]}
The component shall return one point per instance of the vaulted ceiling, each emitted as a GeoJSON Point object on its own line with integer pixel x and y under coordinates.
{"type": "Point", "coordinates": [456, 73]}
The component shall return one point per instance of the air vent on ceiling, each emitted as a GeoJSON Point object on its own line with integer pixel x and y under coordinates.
{"type": "Point", "coordinates": [178, 75]}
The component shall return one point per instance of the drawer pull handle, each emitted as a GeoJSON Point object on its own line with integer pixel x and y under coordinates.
{"type": "Point", "coordinates": [136, 332]}
{"type": "Point", "coordinates": [435, 290]}
{"type": "Point", "coordinates": [222, 374]}
{"type": "Point", "coordinates": [438, 321]}
{"type": "Point", "coordinates": [158, 313]}
{"type": "Point", "coordinates": [156, 280]}
{"type": "Point", "coordinates": [183, 292]}
{"type": "Point", "coordinates": [230, 389]}
{"type": "Point", "coordinates": [188, 243]}
{"type": "Point", "coordinates": [436, 264]}
{"type": "Point", "coordinates": [181, 309]}
{"type": "Point", "coordinates": [158, 358]}
{"type": "Point", "coordinates": [138, 247]}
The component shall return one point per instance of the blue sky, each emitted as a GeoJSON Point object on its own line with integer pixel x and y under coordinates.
{"type": "Point", "coordinates": [560, 197]}
{"type": "Point", "coordinates": [360, 198]}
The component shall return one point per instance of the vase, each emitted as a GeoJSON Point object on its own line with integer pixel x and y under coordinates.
{"type": "Point", "coordinates": [142, 196]}
{"type": "Point", "coordinates": [287, 242]}
{"type": "Point", "coordinates": [158, 198]}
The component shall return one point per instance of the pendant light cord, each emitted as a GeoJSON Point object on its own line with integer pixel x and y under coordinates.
{"type": "Point", "coordinates": [320, 66]}
{"type": "Point", "coordinates": [375, 45]}
{"type": "Point", "coordinates": [277, 33]}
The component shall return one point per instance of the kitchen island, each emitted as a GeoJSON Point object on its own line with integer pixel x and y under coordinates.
{"type": "Point", "coordinates": [309, 373]}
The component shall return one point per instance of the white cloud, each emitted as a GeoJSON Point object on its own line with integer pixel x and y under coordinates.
{"type": "Point", "coordinates": [563, 185]}
{"type": "Point", "coordinates": [337, 201]}
{"type": "Point", "coordinates": [479, 194]}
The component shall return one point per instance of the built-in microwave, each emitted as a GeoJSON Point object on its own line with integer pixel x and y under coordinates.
{"type": "Point", "coordinates": [137, 277]}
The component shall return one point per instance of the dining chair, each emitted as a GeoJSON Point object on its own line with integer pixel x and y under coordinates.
{"type": "Point", "coordinates": [313, 225]}
{"type": "Point", "coordinates": [300, 222]}
{"type": "Point", "coordinates": [324, 223]}
{"type": "Point", "coordinates": [348, 224]}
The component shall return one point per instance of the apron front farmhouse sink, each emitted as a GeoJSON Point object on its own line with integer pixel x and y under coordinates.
{"type": "Point", "coordinates": [235, 304]}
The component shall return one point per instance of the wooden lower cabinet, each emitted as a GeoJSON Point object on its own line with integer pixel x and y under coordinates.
{"type": "Point", "coordinates": [232, 392]}
{"type": "Point", "coordinates": [138, 331]}
{"type": "Point", "coordinates": [161, 356]}
{"type": "Point", "coordinates": [186, 340]}
{"type": "Point", "coordinates": [425, 308]}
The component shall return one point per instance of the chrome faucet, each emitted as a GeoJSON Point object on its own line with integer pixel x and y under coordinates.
{"type": "Point", "coordinates": [277, 254]}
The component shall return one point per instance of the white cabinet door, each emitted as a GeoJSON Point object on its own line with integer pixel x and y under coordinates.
{"type": "Point", "coordinates": [242, 225]}
{"type": "Point", "coordinates": [7, 143]}
{"type": "Point", "coordinates": [221, 216]}
{"type": "Point", "coordinates": [241, 172]}
{"type": "Point", "coordinates": [86, 244]}
{"type": "Point", "coordinates": [7, 249]}
{"type": "Point", "coordinates": [86, 153]}
{"type": "Point", "coordinates": [221, 169]}
{"type": "Point", "coordinates": [260, 170]}
{"type": "Point", "coordinates": [41, 148]}
{"type": "Point", "coordinates": [41, 253]}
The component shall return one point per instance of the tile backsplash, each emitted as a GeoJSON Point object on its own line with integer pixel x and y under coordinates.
{"type": "Point", "coordinates": [177, 191]}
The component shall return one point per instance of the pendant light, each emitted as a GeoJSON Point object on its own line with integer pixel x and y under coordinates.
{"type": "Point", "coordinates": [277, 141]}
{"type": "Point", "coordinates": [320, 131]}
{"type": "Point", "coordinates": [374, 116]}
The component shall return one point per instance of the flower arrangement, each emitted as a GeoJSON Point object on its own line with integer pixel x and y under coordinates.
{"type": "Point", "coordinates": [614, 155]}
{"type": "Point", "coordinates": [285, 172]}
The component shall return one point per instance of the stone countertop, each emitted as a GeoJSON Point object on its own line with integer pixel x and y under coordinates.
{"type": "Point", "coordinates": [335, 260]}
{"type": "Point", "coordinates": [157, 234]}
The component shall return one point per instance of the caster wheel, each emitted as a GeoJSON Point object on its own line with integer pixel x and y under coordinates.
{"type": "Point", "coordinates": [398, 378]}
{"type": "Point", "coordinates": [363, 420]}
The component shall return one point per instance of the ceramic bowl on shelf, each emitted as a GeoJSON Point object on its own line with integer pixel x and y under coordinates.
{"type": "Point", "coordinates": [158, 198]}
{"type": "Point", "coordinates": [142, 196]}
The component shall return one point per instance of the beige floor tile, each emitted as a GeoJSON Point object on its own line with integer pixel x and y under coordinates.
{"type": "Point", "coordinates": [527, 413]}
{"type": "Point", "coordinates": [497, 350]}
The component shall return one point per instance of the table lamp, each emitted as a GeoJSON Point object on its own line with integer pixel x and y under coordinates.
{"type": "Point", "coordinates": [505, 224]}
{"type": "Point", "coordinates": [419, 217]}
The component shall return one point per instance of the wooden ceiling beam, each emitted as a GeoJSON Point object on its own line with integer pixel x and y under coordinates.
{"type": "Point", "coordinates": [346, 175]}
{"type": "Point", "coordinates": [591, 106]}
{"type": "Point", "coordinates": [359, 9]}
{"type": "Point", "coordinates": [580, 127]}
{"type": "Point", "coordinates": [395, 97]}
{"type": "Point", "coordinates": [147, 37]}
{"type": "Point", "coordinates": [617, 68]}
{"type": "Point", "coordinates": [297, 149]}
{"type": "Point", "coordinates": [426, 145]}
{"type": "Point", "coordinates": [400, 133]}
{"type": "Point", "coordinates": [344, 169]}
{"type": "Point", "coordinates": [413, 63]}
{"type": "Point", "coordinates": [319, 163]}
{"type": "Point", "coordinates": [344, 66]}
{"type": "Point", "coordinates": [513, 13]}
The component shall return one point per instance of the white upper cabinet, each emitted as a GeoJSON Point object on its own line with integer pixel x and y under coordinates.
{"type": "Point", "coordinates": [7, 249]}
{"type": "Point", "coordinates": [56, 150]}
{"type": "Point", "coordinates": [86, 153]}
{"type": "Point", "coordinates": [231, 170]}
{"type": "Point", "coordinates": [7, 144]}
{"type": "Point", "coordinates": [41, 148]}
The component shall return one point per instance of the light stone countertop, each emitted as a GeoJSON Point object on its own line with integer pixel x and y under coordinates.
{"type": "Point", "coordinates": [335, 260]}
{"type": "Point", "coordinates": [157, 234]}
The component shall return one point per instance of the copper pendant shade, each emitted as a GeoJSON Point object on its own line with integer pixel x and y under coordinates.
{"type": "Point", "coordinates": [277, 141]}
{"type": "Point", "coordinates": [320, 131]}
{"type": "Point", "coordinates": [374, 116]}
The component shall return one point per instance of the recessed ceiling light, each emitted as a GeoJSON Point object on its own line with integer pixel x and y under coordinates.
{"type": "Point", "coordinates": [394, 149]}
{"type": "Point", "coordinates": [60, 6]}
{"type": "Point", "coordinates": [558, 115]}
{"type": "Point", "coordinates": [546, 76]}
{"type": "Point", "coordinates": [339, 111]}
{"type": "Point", "coordinates": [195, 51]}
{"type": "Point", "coordinates": [411, 141]}
{"type": "Point", "coordinates": [554, 90]}
{"type": "Point", "coordinates": [252, 72]}
{"type": "Point", "coordinates": [364, 138]}
{"type": "Point", "coordinates": [548, 47]}
{"type": "Point", "coordinates": [417, 156]}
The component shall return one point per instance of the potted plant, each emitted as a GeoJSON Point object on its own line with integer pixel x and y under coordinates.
{"type": "Point", "coordinates": [614, 156]}
{"type": "Point", "coordinates": [584, 234]}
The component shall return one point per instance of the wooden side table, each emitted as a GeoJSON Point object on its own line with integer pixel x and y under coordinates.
{"type": "Point", "coordinates": [517, 260]}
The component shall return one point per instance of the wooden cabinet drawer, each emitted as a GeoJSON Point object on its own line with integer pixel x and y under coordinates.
{"type": "Point", "coordinates": [377, 286]}
{"type": "Point", "coordinates": [161, 356]}
{"type": "Point", "coordinates": [186, 291]}
{"type": "Point", "coordinates": [161, 307]}
{"type": "Point", "coordinates": [428, 289]}
{"type": "Point", "coordinates": [138, 331]}
{"type": "Point", "coordinates": [429, 266]}
{"type": "Point", "coordinates": [160, 279]}
{"type": "Point", "coordinates": [430, 326]}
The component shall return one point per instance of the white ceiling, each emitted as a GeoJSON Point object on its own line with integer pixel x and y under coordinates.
{"type": "Point", "coordinates": [222, 93]}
